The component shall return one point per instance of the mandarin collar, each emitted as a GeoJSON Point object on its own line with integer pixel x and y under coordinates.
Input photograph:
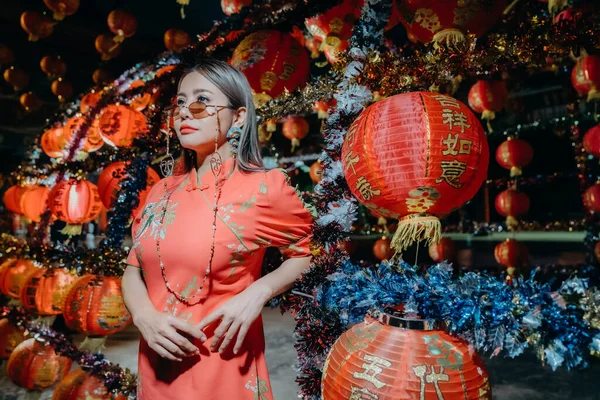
{"type": "Point", "coordinates": [207, 180]}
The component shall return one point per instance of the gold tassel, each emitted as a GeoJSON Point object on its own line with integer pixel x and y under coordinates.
{"type": "Point", "coordinates": [450, 37]}
{"type": "Point", "coordinates": [515, 171]}
{"type": "Point", "coordinates": [555, 6]}
{"type": "Point", "coordinates": [416, 228]}
{"type": "Point", "coordinates": [511, 222]}
{"type": "Point", "coordinates": [71, 230]}
{"type": "Point", "coordinates": [58, 16]}
{"type": "Point", "coordinates": [271, 126]}
{"type": "Point", "coordinates": [381, 221]}
{"type": "Point", "coordinates": [93, 344]}
{"type": "Point", "coordinates": [323, 114]}
{"type": "Point", "coordinates": [183, 4]}
{"type": "Point", "coordinates": [81, 155]}
{"type": "Point", "coordinates": [593, 95]}
{"type": "Point", "coordinates": [295, 143]}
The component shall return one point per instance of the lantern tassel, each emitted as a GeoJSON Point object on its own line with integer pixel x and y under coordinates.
{"type": "Point", "coordinates": [93, 345]}
{"type": "Point", "coordinates": [593, 95]}
{"type": "Point", "coordinates": [515, 171]}
{"type": "Point", "coordinates": [323, 114]}
{"type": "Point", "coordinates": [416, 228]}
{"type": "Point", "coordinates": [58, 16]}
{"type": "Point", "coordinates": [71, 230]}
{"type": "Point", "coordinates": [183, 4]}
{"type": "Point", "coordinates": [450, 37]}
{"type": "Point", "coordinates": [511, 222]}
{"type": "Point", "coordinates": [295, 143]}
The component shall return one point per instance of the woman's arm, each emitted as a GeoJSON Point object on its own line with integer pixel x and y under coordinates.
{"type": "Point", "coordinates": [238, 313]}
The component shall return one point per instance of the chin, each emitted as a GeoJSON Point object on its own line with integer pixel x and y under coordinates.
{"type": "Point", "coordinates": [195, 141]}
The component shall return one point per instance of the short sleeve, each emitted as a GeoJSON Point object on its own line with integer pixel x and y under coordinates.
{"type": "Point", "coordinates": [285, 221]}
{"type": "Point", "coordinates": [132, 258]}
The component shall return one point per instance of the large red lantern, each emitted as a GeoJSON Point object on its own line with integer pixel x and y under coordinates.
{"type": "Point", "coordinates": [413, 156]}
{"type": "Point", "coordinates": [94, 306]}
{"type": "Point", "coordinates": [273, 62]}
{"type": "Point", "coordinates": [13, 275]}
{"type": "Point", "coordinates": [122, 24]}
{"type": "Point", "coordinates": [89, 101]}
{"type": "Point", "coordinates": [487, 98]}
{"type": "Point", "coordinates": [17, 78]}
{"type": "Point", "coordinates": [585, 76]}
{"type": "Point", "coordinates": [53, 66]}
{"type": "Point", "coordinates": [443, 21]}
{"type": "Point", "coordinates": [234, 6]}
{"type": "Point", "coordinates": [45, 290]}
{"type": "Point", "coordinates": [334, 26]}
{"type": "Point", "coordinates": [295, 128]}
{"type": "Point", "coordinates": [514, 154]}
{"type": "Point", "coordinates": [109, 183]}
{"type": "Point", "coordinates": [62, 8]}
{"type": "Point", "coordinates": [176, 39]}
{"type": "Point", "coordinates": [12, 198]}
{"type": "Point", "coordinates": [442, 251]}
{"type": "Point", "coordinates": [92, 140]}
{"type": "Point", "coordinates": [591, 197]}
{"type": "Point", "coordinates": [512, 204]}
{"type": "Point", "coordinates": [62, 89]}
{"type": "Point", "coordinates": [34, 365]}
{"type": "Point", "coordinates": [80, 385]}
{"type": "Point", "coordinates": [382, 249]}
{"type": "Point", "coordinates": [30, 101]}
{"type": "Point", "coordinates": [119, 125]}
{"type": "Point", "coordinates": [107, 46]}
{"type": "Point", "coordinates": [10, 337]}
{"type": "Point", "coordinates": [7, 56]}
{"type": "Point", "coordinates": [75, 202]}
{"type": "Point", "coordinates": [38, 26]}
{"type": "Point", "coordinates": [591, 141]}
{"type": "Point", "coordinates": [393, 358]}
{"type": "Point", "coordinates": [34, 202]}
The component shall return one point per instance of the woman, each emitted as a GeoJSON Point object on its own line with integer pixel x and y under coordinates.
{"type": "Point", "coordinates": [193, 282]}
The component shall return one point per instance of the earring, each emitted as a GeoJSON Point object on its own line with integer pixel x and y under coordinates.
{"type": "Point", "coordinates": [168, 162]}
{"type": "Point", "coordinates": [233, 137]}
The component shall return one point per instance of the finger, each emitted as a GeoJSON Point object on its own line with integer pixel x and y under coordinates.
{"type": "Point", "coordinates": [183, 343]}
{"type": "Point", "coordinates": [188, 328]}
{"type": "Point", "coordinates": [161, 351]}
{"type": "Point", "coordinates": [210, 319]}
{"type": "Point", "coordinates": [219, 332]}
{"type": "Point", "coordinates": [241, 336]}
{"type": "Point", "coordinates": [235, 326]}
{"type": "Point", "coordinates": [171, 347]}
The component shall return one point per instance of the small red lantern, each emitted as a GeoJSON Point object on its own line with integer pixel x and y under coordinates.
{"type": "Point", "coordinates": [80, 385]}
{"type": "Point", "coordinates": [107, 46]}
{"type": "Point", "coordinates": [591, 198]}
{"type": "Point", "coordinates": [442, 251]}
{"type": "Point", "coordinates": [62, 89]}
{"type": "Point", "coordinates": [62, 8]}
{"type": "Point", "coordinates": [487, 98]}
{"type": "Point", "coordinates": [234, 6]}
{"type": "Point", "coordinates": [12, 198]}
{"type": "Point", "coordinates": [45, 290]}
{"type": "Point", "coordinates": [597, 251]}
{"type": "Point", "coordinates": [101, 77]}
{"type": "Point", "coordinates": [10, 337]}
{"type": "Point", "coordinates": [176, 40]}
{"type": "Point", "coordinates": [514, 154]}
{"type": "Point", "coordinates": [295, 128]}
{"type": "Point", "coordinates": [382, 249]}
{"type": "Point", "coordinates": [53, 66]}
{"type": "Point", "coordinates": [591, 141]}
{"type": "Point", "coordinates": [75, 202]}
{"type": "Point", "coordinates": [585, 76]}
{"type": "Point", "coordinates": [119, 125]}
{"type": "Point", "coordinates": [38, 26]}
{"type": "Point", "coordinates": [512, 204]}
{"type": "Point", "coordinates": [332, 53]}
{"type": "Point", "coordinates": [92, 141]}
{"type": "Point", "coordinates": [335, 25]}
{"type": "Point", "coordinates": [53, 142]}
{"type": "Point", "coordinates": [313, 45]}
{"type": "Point", "coordinates": [89, 101]}
{"type": "Point", "coordinates": [315, 172]}
{"type": "Point", "coordinates": [510, 253]}
{"type": "Point", "coordinates": [7, 56]}
{"type": "Point", "coordinates": [17, 78]}
{"type": "Point", "coordinates": [122, 24]}
{"type": "Point", "coordinates": [13, 276]}
{"type": "Point", "coordinates": [348, 245]}
{"type": "Point", "coordinates": [140, 102]}
{"type": "Point", "coordinates": [34, 365]}
{"type": "Point", "coordinates": [30, 101]}
{"type": "Point", "coordinates": [109, 182]}
{"type": "Point", "coordinates": [273, 62]}
{"type": "Point", "coordinates": [392, 358]}
{"type": "Point", "coordinates": [34, 202]}
{"type": "Point", "coordinates": [94, 306]}
{"type": "Point", "coordinates": [322, 107]}
{"type": "Point", "coordinates": [413, 156]}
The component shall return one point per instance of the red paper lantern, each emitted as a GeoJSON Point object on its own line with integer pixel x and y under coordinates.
{"type": "Point", "coordinates": [89, 101]}
{"type": "Point", "coordinates": [395, 358]}
{"type": "Point", "coordinates": [176, 40]}
{"type": "Point", "coordinates": [443, 21]}
{"type": "Point", "coordinates": [382, 249]}
{"type": "Point", "coordinates": [413, 156]}
{"type": "Point", "coordinates": [12, 198]}
{"type": "Point", "coordinates": [38, 26]}
{"type": "Point", "coordinates": [75, 202]}
{"type": "Point", "coordinates": [334, 26]}
{"type": "Point", "coordinates": [53, 66]}
{"type": "Point", "coordinates": [62, 8]}
{"type": "Point", "coordinates": [80, 385]}
{"type": "Point", "coordinates": [442, 251]}
{"type": "Point", "coordinates": [62, 89]}
{"type": "Point", "coordinates": [487, 98]}
{"type": "Point", "coordinates": [30, 101]}
{"type": "Point", "coordinates": [295, 128]}
{"type": "Point", "coordinates": [510, 253]}
{"type": "Point", "coordinates": [7, 56]}
{"type": "Point", "coordinates": [94, 306]}
{"type": "Point", "coordinates": [45, 290]}
{"type": "Point", "coordinates": [273, 62]}
{"type": "Point", "coordinates": [10, 337]}
{"type": "Point", "coordinates": [591, 141]}
{"type": "Point", "coordinates": [313, 45]}
{"type": "Point", "coordinates": [348, 245]}
{"type": "Point", "coordinates": [92, 141]}
{"type": "Point", "coordinates": [109, 183]}
{"type": "Point", "coordinates": [17, 78]}
{"type": "Point", "coordinates": [234, 6]}
{"type": "Point", "coordinates": [13, 275]}
{"type": "Point", "coordinates": [119, 125]}
{"type": "Point", "coordinates": [107, 46]}
{"type": "Point", "coordinates": [322, 107]}
{"type": "Point", "coordinates": [514, 154]}
{"type": "Point", "coordinates": [332, 53]}
{"type": "Point", "coordinates": [140, 102]}
{"type": "Point", "coordinates": [512, 204]}
{"type": "Point", "coordinates": [315, 172]}
{"type": "Point", "coordinates": [585, 76]}
{"type": "Point", "coordinates": [591, 197]}
{"type": "Point", "coordinates": [53, 142]}
{"type": "Point", "coordinates": [34, 365]}
{"type": "Point", "coordinates": [34, 202]}
{"type": "Point", "coordinates": [101, 77]}
{"type": "Point", "coordinates": [122, 24]}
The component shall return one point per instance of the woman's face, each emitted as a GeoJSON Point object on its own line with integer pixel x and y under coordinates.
{"type": "Point", "coordinates": [199, 134]}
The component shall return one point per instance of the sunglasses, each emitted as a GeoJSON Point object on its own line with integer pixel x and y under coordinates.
{"type": "Point", "coordinates": [197, 109]}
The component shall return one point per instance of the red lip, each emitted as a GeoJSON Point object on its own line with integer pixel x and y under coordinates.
{"type": "Point", "coordinates": [185, 129]}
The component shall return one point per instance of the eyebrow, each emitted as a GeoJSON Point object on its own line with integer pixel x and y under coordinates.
{"type": "Point", "coordinates": [195, 92]}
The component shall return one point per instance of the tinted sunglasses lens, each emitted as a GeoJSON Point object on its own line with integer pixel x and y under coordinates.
{"type": "Point", "coordinates": [197, 109]}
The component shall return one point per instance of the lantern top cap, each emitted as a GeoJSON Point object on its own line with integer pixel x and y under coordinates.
{"type": "Point", "coordinates": [394, 317]}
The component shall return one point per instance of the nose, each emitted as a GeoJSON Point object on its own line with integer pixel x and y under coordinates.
{"type": "Point", "coordinates": [184, 113]}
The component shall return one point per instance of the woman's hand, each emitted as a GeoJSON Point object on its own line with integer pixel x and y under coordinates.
{"type": "Point", "coordinates": [237, 315]}
{"type": "Point", "coordinates": [161, 332]}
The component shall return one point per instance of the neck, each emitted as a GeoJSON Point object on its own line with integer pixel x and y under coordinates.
{"type": "Point", "coordinates": [203, 159]}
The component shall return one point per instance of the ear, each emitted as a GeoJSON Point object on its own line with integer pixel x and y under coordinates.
{"type": "Point", "coordinates": [239, 118]}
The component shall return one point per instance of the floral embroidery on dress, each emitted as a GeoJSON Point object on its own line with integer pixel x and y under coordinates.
{"type": "Point", "coordinates": [172, 303]}
{"type": "Point", "coordinates": [151, 218]}
{"type": "Point", "coordinates": [260, 389]}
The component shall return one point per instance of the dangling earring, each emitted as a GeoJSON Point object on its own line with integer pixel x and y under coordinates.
{"type": "Point", "coordinates": [168, 162]}
{"type": "Point", "coordinates": [233, 137]}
